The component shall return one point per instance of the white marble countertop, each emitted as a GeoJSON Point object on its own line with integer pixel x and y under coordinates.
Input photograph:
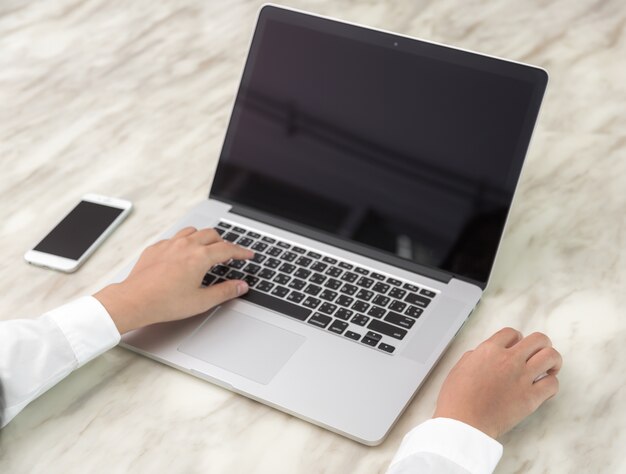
{"type": "Point", "coordinates": [131, 98]}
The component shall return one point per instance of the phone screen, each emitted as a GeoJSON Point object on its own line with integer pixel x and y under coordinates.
{"type": "Point", "coordinates": [78, 230]}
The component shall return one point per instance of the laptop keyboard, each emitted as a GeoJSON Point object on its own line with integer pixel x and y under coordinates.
{"type": "Point", "coordinates": [332, 294]}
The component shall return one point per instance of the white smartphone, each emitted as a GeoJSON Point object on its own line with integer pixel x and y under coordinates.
{"type": "Point", "coordinates": [79, 233]}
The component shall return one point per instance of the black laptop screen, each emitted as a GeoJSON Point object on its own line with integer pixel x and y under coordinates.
{"type": "Point", "coordinates": [402, 147]}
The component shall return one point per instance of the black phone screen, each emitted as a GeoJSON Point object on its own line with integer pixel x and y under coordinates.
{"type": "Point", "coordinates": [78, 230]}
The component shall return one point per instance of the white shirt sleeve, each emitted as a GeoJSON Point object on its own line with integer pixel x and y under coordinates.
{"type": "Point", "coordinates": [35, 354]}
{"type": "Point", "coordinates": [446, 446]}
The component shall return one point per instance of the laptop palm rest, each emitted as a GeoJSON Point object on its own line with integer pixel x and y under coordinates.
{"type": "Point", "coordinates": [242, 344]}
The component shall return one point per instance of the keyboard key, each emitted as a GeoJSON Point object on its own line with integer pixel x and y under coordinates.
{"type": "Point", "coordinates": [360, 306]}
{"type": "Point", "coordinates": [319, 320]}
{"type": "Point", "coordinates": [330, 260]}
{"type": "Point", "coordinates": [386, 347]}
{"type": "Point", "coordinates": [282, 279]}
{"type": "Point", "coordinates": [272, 263]}
{"type": "Point", "coordinates": [394, 282]}
{"type": "Point", "coordinates": [360, 320]}
{"type": "Point", "coordinates": [346, 265]}
{"type": "Point", "coordinates": [328, 295]}
{"type": "Point", "coordinates": [245, 242]}
{"type": "Point", "coordinates": [239, 230]}
{"type": "Point", "coordinates": [365, 295]}
{"type": "Point", "coordinates": [386, 329]}
{"type": "Point", "coordinates": [361, 271]}
{"type": "Point", "coordinates": [376, 312]}
{"type": "Point", "coordinates": [311, 302]}
{"type": "Point", "coordinates": [274, 251]}
{"type": "Point", "coordinates": [318, 278]}
{"type": "Point", "coordinates": [352, 335]}
{"type": "Point", "coordinates": [265, 286]}
{"type": "Point", "coordinates": [377, 276]}
{"type": "Point", "coordinates": [269, 240]}
{"type": "Point", "coordinates": [297, 284]}
{"type": "Point", "coordinates": [251, 280]}
{"type": "Point", "coordinates": [319, 266]}
{"type": "Point", "coordinates": [369, 341]}
{"type": "Point", "coordinates": [374, 335]}
{"type": "Point", "coordinates": [414, 311]}
{"type": "Point", "coordinates": [334, 272]}
{"type": "Point", "coordinates": [397, 293]}
{"type": "Point", "coordinates": [349, 277]}
{"type": "Point", "coordinates": [220, 270]}
{"type": "Point", "coordinates": [312, 289]}
{"type": "Point", "coordinates": [314, 255]}
{"type": "Point", "coordinates": [252, 269]}
{"type": "Point", "coordinates": [276, 304]}
{"type": "Point", "coordinates": [381, 287]}
{"type": "Point", "coordinates": [327, 308]}
{"type": "Point", "coordinates": [348, 289]}
{"type": "Point", "coordinates": [304, 261]}
{"type": "Point", "coordinates": [238, 264]}
{"type": "Point", "coordinates": [230, 236]}
{"type": "Point", "coordinates": [400, 320]}
{"type": "Point", "coordinates": [417, 300]}
{"type": "Point", "coordinates": [299, 250]}
{"type": "Point", "coordinates": [258, 258]}
{"type": "Point", "coordinates": [287, 268]}
{"type": "Point", "coordinates": [302, 273]}
{"type": "Point", "coordinates": [397, 306]}
{"type": "Point", "coordinates": [284, 245]}
{"type": "Point", "coordinates": [344, 300]}
{"type": "Point", "coordinates": [280, 291]}
{"type": "Point", "coordinates": [381, 300]}
{"type": "Point", "coordinates": [430, 294]}
{"type": "Point", "coordinates": [208, 279]}
{"type": "Point", "coordinates": [338, 326]}
{"type": "Point", "coordinates": [225, 225]}
{"type": "Point", "coordinates": [253, 235]}
{"type": "Point", "coordinates": [220, 231]}
{"type": "Point", "coordinates": [343, 313]}
{"type": "Point", "coordinates": [266, 274]}
{"type": "Point", "coordinates": [295, 297]}
{"type": "Point", "coordinates": [289, 256]}
{"type": "Point", "coordinates": [234, 275]}
{"type": "Point", "coordinates": [259, 246]}
{"type": "Point", "coordinates": [408, 286]}
{"type": "Point", "coordinates": [333, 284]}
{"type": "Point", "coordinates": [365, 282]}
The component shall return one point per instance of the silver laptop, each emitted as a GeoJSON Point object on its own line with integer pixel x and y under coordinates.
{"type": "Point", "coordinates": [372, 174]}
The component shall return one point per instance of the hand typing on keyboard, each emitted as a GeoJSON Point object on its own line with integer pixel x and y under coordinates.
{"type": "Point", "coordinates": [164, 285]}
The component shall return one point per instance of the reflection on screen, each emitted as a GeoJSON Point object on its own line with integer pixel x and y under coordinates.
{"type": "Point", "coordinates": [414, 156]}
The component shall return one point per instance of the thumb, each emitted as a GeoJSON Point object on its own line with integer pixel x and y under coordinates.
{"type": "Point", "coordinates": [225, 291]}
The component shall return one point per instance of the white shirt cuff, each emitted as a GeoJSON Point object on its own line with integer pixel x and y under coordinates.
{"type": "Point", "coordinates": [466, 446]}
{"type": "Point", "coordinates": [87, 326]}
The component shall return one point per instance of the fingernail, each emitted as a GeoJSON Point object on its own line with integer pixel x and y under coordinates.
{"type": "Point", "coordinates": [242, 288]}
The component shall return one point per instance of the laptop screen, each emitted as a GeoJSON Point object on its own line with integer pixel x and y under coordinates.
{"type": "Point", "coordinates": [397, 147]}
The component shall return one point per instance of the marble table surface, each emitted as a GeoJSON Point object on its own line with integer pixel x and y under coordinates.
{"type": "Point", "coordinates": [131, 97]}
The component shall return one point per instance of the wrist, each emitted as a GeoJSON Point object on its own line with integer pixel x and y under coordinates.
{"type": "Point", "coordinates": [120, 307]}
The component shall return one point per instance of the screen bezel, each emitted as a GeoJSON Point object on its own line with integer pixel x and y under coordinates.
{"type": "Point", "coordinates": [535, 75]}
{"type": "Point", "coordinates": [64, 264]}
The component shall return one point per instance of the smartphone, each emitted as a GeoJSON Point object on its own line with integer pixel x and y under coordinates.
{"type": "Point", "coordinates": [79, 233]}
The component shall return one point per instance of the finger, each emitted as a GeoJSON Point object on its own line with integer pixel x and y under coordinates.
{"type": "Point", "coordinates": [223, 251]}
{"type": "Point", "coordinates": [205, 236]}
{"type": "Point", "coordinates": [545, 388]}
{"type": "Point", "coordinates": [505, 337]}
{"type": "Point", "coordinates": [184, 232]}
{"type": "Point", "coordinates": [222, 292]}
{"type": "Point", "coordinates": [532, 344]}
{"type": "Point", "coordinates": [546, 361]}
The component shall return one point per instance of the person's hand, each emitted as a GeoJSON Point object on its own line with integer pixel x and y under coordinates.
{"type": "Point", "coordinates": [502, 381]}
{"type": "Point", "coordinates": [164, 285]}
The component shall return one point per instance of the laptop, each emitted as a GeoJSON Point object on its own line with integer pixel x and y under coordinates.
{"type": "Point", "coordinates": [372, 174]}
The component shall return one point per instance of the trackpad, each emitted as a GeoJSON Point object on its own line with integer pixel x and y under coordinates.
{"type": "Point", "coordinates": [242, 344]}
